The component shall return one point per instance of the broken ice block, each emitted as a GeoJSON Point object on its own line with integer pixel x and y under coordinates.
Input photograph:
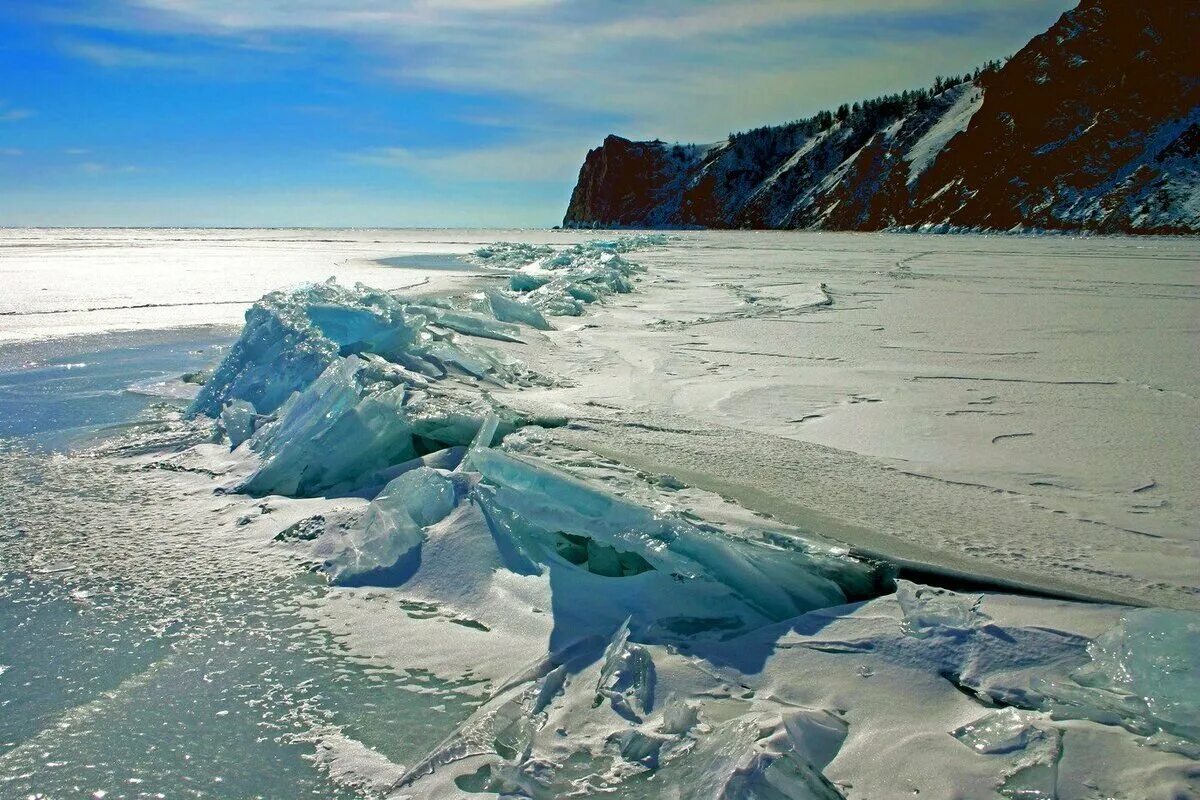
{"type": "Point", "coordinates": [627, 677]}
{"type": "Point", "coordinates": [509, 310]}
{"type": "Point", "coordinates": [340, 427]}
{"type": "Point", "coordinates": [291, 337]}
{"type": "Point", "coordinates": [239, 420]}
{"type": "Point", "coordinates": [392, 525]}
{"type": "Point", "coordinates": [929, 611]}
{"type": "Point", "coordinates": [1142, 676]}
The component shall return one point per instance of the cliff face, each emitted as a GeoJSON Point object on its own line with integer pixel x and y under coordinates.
{"type": "Point", "coordinates": [1093, 125]}
{"type": "Point", "coordinates": [626, 183]}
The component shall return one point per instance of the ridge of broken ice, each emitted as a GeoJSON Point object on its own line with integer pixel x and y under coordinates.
{"type": "Point", "coordinates": [330, 385]}
{"type": "Point", "coordinates": [561, 283]}
{"type": "Point", "coordinates": [545, 520]}
{"type": "Point", "coordinates": [291, 338]}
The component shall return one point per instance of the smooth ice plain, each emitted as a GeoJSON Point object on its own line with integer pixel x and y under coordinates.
{"type": "Point", "coordinates": [546, 514]}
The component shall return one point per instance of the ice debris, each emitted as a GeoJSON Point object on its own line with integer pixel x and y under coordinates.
{"type": "Point", "coordinates": [761, 756]}
{"type": "Point", "coordinates": [1144, 675]}
{"type": "Point", "coordinates": [1005, 731]}
{"type": "Point", "coordinates": [770, 576]}
{"type": "Point", "coordinates": [560, 283]}
{"type": "Point", "coordinates": [930, 611]}
{"type": "Point", "coordinates": [627, 678]}
{"type": "Point", "coordinates": [239, 421]}
{"type": "Point", "coordinates": [700, 578]}
{"type": "Point", "coordinates": [516, 255]}
{"type": "Point", "coordinates": [510, 255]}
{"type": "Point", "coordinates": [1033, 745]}
{"type": "Point", "coordinates": [539, 737]}
{"type": "Point", "coordinates": [353, 425]}
{"type": "Point", "coordinates": [507, 309]}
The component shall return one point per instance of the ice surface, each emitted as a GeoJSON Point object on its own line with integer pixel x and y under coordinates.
{"type": "Point", "coordinates": [541, 583]}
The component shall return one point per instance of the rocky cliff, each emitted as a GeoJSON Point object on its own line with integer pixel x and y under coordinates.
{"type": "Point", "coordinates": [1094, 125]}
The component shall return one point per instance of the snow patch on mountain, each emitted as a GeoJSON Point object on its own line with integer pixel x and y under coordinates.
{"type": "Point", "coordinates": [968, 100]}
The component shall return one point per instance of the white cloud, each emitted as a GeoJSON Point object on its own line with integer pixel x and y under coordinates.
{"type": "Point", "coordinates": [11, 152]}
{"type": "Point", "coordinates": [521, 162]}
{"type": "Point", "coordinates": [675, 68]}
{"type": "Point", "coordinates": [8, 114]}
{"type": "Point", "coordinates": [102, 168]}
{"type": "Point", "coordinates": [691, 70]}
{"type": "Point", "coordinates": [120, 56]}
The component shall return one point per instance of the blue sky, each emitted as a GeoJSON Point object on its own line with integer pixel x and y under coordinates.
{"type": "Point", "coordinates": [422, 112]}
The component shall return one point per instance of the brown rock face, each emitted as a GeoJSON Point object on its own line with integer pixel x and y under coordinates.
{"type": "Point", "coordinates": [1072, 129]}
{"type": "Point", "coordinates": [1094, 125]}
{"type": "Point", "coordinates": [620, 184]}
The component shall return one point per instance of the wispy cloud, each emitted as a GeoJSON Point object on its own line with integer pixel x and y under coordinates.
{"type": "Point", "coordinates": [483, 101]}
{"type": "Point", "coordinates": [124, 57]}
{"type": "Point", "coordinates": [11, 152]}
{"type": "Point", "coordinates": [102, 168]}
{"type": "Point", "coordinates": [10, 114]}
{"type": "Point", "coordinates": [673, 66]}
{"type": "Point", "coordinates": [519, 162]}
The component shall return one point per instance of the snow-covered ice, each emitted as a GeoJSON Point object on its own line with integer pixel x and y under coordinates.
{"type": "Point", "coordinates": [579, 531]}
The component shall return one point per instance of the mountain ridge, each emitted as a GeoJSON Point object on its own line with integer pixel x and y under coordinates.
{"type": "Point", "coordinates": [1093, 126]}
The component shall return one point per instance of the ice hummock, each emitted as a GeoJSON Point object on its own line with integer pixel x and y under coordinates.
{"type": "Point", "coordinates": [360, 420]}
{"type": "Point", "coordinates": [549, 522]}
{"type": "Point", "coordinates": [773, 577]}
{"type": "Point", "coordinates": [331, 385]}
{"type": "Point", "coordinates": [292, 337]}
{"type": "Point", "coordinates": [561, 283]}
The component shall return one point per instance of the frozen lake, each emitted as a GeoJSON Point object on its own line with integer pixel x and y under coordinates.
{"type": "Point", "coordinates": [1026, 406]}
{"type": "Point", "coordinates": [986, 412]}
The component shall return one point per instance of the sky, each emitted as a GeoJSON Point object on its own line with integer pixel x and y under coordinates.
{"type": "Point", "coordinates": [415, 113]}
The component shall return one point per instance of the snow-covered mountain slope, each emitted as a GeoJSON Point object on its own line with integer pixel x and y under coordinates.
{"type": "Point", "coordinates": [1094, 125]}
